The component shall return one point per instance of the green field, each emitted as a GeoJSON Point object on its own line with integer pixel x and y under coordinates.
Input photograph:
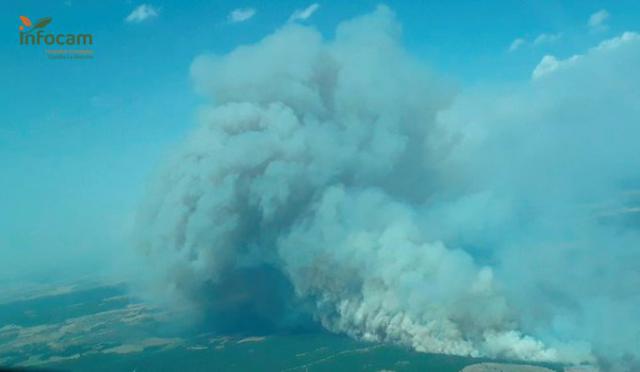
{"type": "Point", "coordinates": [102, 329]}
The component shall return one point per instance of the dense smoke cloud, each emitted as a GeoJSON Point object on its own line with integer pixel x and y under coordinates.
{"type": "Point", "coordinates": [339, 181]}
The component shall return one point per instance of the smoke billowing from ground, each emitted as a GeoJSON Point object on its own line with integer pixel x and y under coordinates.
{"type": "Point", "coordinates": [339, 181]}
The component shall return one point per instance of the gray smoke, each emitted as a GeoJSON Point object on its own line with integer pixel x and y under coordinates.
{"type": "Point", "coordinates": [339, 182]}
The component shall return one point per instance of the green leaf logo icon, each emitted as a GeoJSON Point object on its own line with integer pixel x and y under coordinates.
{"type": "Point", "coordinates": [41, 23]}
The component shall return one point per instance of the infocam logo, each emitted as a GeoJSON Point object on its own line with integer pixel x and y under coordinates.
{"type": "Point", "coordinates": [35, 34]}
{"type": "Point", "coordinates": [61, 45]}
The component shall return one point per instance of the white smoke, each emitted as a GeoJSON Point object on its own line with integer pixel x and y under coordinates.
{"type": "Point", "coordinates": [333, 179]}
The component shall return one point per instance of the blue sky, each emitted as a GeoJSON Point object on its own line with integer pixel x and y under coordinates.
{"type": "Point", "coordinates": [79, 139]}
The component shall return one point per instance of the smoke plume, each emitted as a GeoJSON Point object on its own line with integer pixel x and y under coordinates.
{"type": "Point", "coordinates": [339, 182]}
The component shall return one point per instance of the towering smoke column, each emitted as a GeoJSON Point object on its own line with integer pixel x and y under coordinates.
{"type": "Point", "coordinates": [334, 181]}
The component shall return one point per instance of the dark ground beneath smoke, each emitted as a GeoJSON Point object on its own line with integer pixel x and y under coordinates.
{"type": "Point", "coordinates": [101, 328]}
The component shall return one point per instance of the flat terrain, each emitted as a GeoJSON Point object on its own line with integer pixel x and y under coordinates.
{"type": "Point", "coordinates": [101, 328]}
